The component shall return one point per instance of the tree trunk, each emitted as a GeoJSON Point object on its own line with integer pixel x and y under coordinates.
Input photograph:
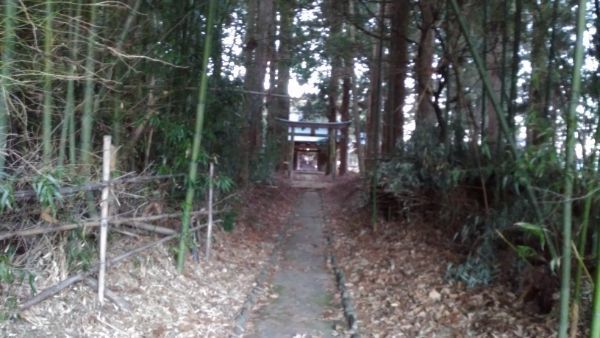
{"type": "Point", "coordinates": [333, 12]}
{"type": "Point", "coordinates": [550, 78]}
{"type": "Point", "coordinates": [259, 22]}
{"type": "Point", "coordinates": [425, 118]}
{"type": "Point", "coordinates": [516, 60]}
{"type": "Point", "coordinates": [494, 64]}
{"type": "Point", "coordinates": [345, 116]}
{"type": "Point", "coordinates": [393, 130]}
{"type": "Point", "coordinates": [349, 63]}
{"type": "Point", "coordinates": [279, 105]}
{"type": "Point", "coordinates": [373, 119]}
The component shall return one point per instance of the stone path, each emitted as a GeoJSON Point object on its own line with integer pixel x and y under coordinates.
{"type": "Point", "coordinates": [302, 282]}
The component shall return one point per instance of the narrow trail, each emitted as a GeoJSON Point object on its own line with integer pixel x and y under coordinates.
{"type": "Point", "coordinates": [302, 283]}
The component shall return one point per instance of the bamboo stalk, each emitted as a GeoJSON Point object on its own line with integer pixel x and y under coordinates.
{"type": "Point", "coordinates": [47, 104]}
{"type": "Point", "coordinates": [211, 173]}
{"type": "Point", "coordinates": [580, 251]}
{"type": "Point", "coordinates": [151, 227]}
{"type": "Point", "coordinates": [104, 215]}
{"type": "Point", "coordinates": [67, 134]}
{"type": "Point", "coordinates": [88, 101]}
{"type": "Point", "coordinates": [7, 58]}
{"type": "Point", "coordinates": [502, 119]}
{"type": "Point", "coordinates": [569, 174]}
{"type": "Point", "coordinates": [595, 327]}
{"type": "Point", "coordinates": [193, 173]}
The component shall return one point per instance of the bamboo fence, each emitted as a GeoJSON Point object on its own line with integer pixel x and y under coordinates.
{"type": "Point", "coordinates": [100, 268]}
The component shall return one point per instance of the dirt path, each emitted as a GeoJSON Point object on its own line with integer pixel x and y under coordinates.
{"type": "Point", "coordinates": [302, 284]}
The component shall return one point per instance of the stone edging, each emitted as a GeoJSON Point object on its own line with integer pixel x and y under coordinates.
{"type": "Point", "coordinates": [349, 312]}
{"type": "Point", "coordinates": [246, 310]}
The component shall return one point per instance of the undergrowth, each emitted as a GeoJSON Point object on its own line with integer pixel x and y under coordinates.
{"type": "Point", "coordinates": [480, 201]}
{"type": "Point", "coordinates": [11, 277]}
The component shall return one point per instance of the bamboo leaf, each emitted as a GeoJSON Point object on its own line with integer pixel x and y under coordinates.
{"type": "Point", "coordinates": [535, 230]}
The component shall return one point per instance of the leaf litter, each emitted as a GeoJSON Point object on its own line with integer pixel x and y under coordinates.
{"type": "Point", "coordinates": [201, 302]}
{"type": "Point", "coordinates": [397, 279]}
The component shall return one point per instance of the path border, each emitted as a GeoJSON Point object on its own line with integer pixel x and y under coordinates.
{"type": "Point", "coordinates": [242, 316]}
{"type": "Point", "coordinates": [347, 304]}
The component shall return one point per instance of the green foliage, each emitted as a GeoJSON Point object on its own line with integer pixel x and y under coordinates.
{"type": "Point", "coordinates": [223, 183]}
{"type": "Point", "coordinates": [526, 252]}
{"type": "Point", "coordinates": [229, 220]}
{"type": "Point", "coordinates": [426, 166]}
{"type": "Point", "coordinates": [7, 274]}
{"type": "Point", "coordinates": [399, 177]}
{"type": "Point", "coordinates": [314, 106]}
{"type": "Point", "coordinates": [7, 198]}
{"type": "Point", "coordinates": [478, 269]}
{"type": "Point", "coordinates": [534, 230]}
{"type": "Point", "coordinates": [264, 167]}
{"type": "Point", "coordinates": [423, 165]}
{"type": "Point", "coordinates": [81, 250]}
{"type": "Point", "coordinates": [47, 190]}
{"type": "Point", "coordinates": [10, 276]}
{"type": "Point", "coordinates": [472, 228]}
{"type": "Point", "coordinates": [176, 142]}
{"type": "Point", "coordinates": [10, 305]}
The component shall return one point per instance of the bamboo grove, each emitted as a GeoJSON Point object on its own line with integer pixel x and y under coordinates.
{"type": "Point", "coordinates": [489, 108]}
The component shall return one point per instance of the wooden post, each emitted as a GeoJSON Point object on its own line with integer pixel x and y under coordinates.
{"type": "Point", "coordinates": [211, 173]}
{"type": "Point", "coordinates": [292, 150]}
{"type": "Point", "coordinates": [332, 152]}
{"type": "Point", "coordinates": [106, 156]}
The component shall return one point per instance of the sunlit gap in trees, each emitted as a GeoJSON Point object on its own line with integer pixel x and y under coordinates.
{"type": "Point", "coordinates": [299, 87]}
{"type": "Point", "coordinates": [233, 41]}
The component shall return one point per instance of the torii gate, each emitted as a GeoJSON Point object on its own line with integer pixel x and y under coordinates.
{"type": "Point", "coordinates": [332, 128]}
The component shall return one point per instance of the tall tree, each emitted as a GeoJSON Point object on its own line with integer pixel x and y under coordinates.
{"type": "Point", "coordinates": [537, 126]}
{"type": "Point", "coordinates": [515, 65]}
{"type": "Point", "coordinates": [374, 113]}
{"type": "Point", "coordinates": [494, 62]}
{"type": "Point", "coordinates": [393, 121]}
{"type": "Point", "coordinates": [259, 21]}
{"type": "Point", "coordinates": [425, 118]}
{"type": "Point", "coordinates": [349, 65]}
{"type": "Point", "coordinates": [279, 101]}
{"type": "Point", "coordinates": [333, 10]}
{"type": "Point", "coordinates": [346, 74]}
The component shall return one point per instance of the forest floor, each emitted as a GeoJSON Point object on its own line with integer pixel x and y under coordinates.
{"type": "Point", "coordinates": [396, 278]}
{"type": "Point", "coordinates": [202, 302]}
